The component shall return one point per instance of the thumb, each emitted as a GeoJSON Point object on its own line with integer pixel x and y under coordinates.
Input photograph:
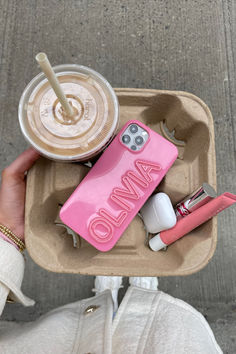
{"type": "Point", "coordinates": [22, 163]}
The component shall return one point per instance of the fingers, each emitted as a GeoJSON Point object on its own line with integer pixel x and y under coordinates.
{"type": "Point", "coordinates": [22, 163]}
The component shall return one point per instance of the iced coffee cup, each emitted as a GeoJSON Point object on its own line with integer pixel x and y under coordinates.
{"type": "Point", "coordinates": [47, 127]}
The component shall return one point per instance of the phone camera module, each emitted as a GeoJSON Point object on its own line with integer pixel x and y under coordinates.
{"type": "Point", "coordinates": [139, 140]}
{"type": "Point", "coordinates": [133, 128]}
{"type": "Point", "coordinates": [126, 139]}
{"type": "Point", "coordinates": [134, 137]}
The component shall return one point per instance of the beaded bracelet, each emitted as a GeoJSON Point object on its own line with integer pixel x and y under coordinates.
{"type": "Point", "coordinates": [12, 237]}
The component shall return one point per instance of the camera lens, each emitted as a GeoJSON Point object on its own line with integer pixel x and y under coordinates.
{"type": "Point", "coordinates": [133, 147]}
{"type": "Point", "coordinates": [139, 140]}
{"type": "Point", "coordinates": [126, 139]}
{"type": "Point", "coordinates": [133, 128]}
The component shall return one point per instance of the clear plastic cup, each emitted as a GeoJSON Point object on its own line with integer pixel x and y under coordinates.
{"type": "Point", "coordinates": [48, 130]}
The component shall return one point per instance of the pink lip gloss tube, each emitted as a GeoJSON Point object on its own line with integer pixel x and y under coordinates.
{"type": "Point", "coordinates": [191, 221]}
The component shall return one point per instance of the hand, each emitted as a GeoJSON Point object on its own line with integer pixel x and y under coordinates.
{"type": "Point", "coordinates": [12, 192]}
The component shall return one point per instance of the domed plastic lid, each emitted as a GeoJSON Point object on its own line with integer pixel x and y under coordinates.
{"type": "Point", "coordinates": [57, 136]}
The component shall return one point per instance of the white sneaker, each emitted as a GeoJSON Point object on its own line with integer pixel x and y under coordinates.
{"type": "Point", "coordinates": [112, 283]}
{"type": "Point", "coordinates": [150, 283]}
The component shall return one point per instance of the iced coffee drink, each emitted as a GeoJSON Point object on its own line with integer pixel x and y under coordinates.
{"type": "Point", "coordinates": [63, 137]}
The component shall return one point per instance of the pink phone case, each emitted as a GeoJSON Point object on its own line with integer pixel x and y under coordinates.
{"type": "Point", "coordinates": [116, 187]}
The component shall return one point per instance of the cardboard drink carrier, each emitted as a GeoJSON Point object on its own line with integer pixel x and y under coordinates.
{"type": "Point", "coordinates": [180, 117]}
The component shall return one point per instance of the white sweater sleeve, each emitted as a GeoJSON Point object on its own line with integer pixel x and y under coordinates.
{"type": "Point", "coordinates": [4, 291]}
{"type": "Point", "coordinates": [11, 275]}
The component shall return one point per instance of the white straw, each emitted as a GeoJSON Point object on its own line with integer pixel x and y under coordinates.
{"type": "Point", "coordinates": [46, 67]}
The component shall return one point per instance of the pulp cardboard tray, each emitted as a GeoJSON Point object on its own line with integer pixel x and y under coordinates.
{"type": "Point", "coordinates": [183, 119]}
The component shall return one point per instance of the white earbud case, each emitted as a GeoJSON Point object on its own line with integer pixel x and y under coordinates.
{"type": "Point", "coordinates": [158, 213]}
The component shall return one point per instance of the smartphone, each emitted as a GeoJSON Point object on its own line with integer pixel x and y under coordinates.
{"type": "Point", "coordinates": [117, 186]}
